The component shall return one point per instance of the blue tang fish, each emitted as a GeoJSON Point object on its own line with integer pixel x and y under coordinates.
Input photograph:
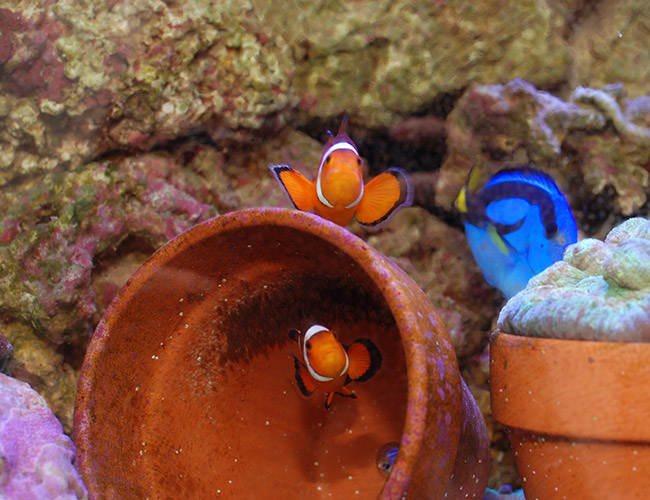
{"type": "Point", "coordinates": [517, 225]}
{"type": "Point", "coordinates": [386, 456]}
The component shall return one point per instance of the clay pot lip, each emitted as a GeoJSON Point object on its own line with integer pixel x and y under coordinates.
{"type": "Point", "coordinates": [357, 249]}
{"type": "Point", "coordinates": [576, 388]}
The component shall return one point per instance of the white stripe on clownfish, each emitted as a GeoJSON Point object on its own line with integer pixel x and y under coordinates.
{"type": "Point", "coordinates": [313, 330]}
{"type": "Point", "coordinates": [319, 190]}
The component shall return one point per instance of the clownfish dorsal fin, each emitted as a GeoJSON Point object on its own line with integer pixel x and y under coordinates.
{"type": "Point", "coordinates": [365, 360]}
{"type": "Point", "coordinates": [344, 123]}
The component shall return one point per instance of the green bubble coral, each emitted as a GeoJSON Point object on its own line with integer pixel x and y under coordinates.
{"type": "Point", "coordinates": [600, 291]}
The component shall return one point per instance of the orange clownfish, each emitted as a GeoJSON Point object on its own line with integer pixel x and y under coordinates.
{"type": "Point", "coordinates": [329, 366]}
{"type": "Point", "coordinates": [338, 193]}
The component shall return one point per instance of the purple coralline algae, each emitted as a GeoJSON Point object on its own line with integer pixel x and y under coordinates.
{"type": "Point", "coordinates": [52, 230]}
{"type": "Point", "coordinates": [78, 82]}
{"type": "Point", "coordinates": [53, 234]}
{"type": "Point", "coordinates": [600, 291]}
{"type": "Point", "coordinates": [36, 457]}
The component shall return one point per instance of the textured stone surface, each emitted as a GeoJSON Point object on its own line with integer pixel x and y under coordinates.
{"type": "Point", "coordinates": [378, 58]}
{"type": "Point", "coordinates": [79, 81]}
{"type": "Point", "coordinates": [603, 297]}
{"type": "Point", "coordinates": [597, 141]}
{"type": "Point", "coordinates": [439, 260]}
{"type": "Point", "coordinates": [36, 458]}
{"type": "Point", "coordinates": [6, 353]}
{"type": "Point", "coordinates": [51, 230]}
{"type": "Point", "coordinates": [55, 233]}
{"type": "Point", "coordinates": [608, 44]}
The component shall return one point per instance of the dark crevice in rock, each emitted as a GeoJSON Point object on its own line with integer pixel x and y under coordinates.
{"type": "Point", "coordinates": [416, 143]}
{"type": "Point", "coordinates": [73, 350]}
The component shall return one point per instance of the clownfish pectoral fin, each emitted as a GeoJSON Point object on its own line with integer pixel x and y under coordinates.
{"type": "Point", "coordinates": [294, 334]}
{"type": "Point", "coordinates": [383, 196]}
{"type": "Point", "coordinates": [346, 393]}
{"type": "Point", "coordinates": [299, 189]}
{"type": "Point", "coordinates": [303, 379]}
{"type": "Point", "coordinates": [365, 360]}
{"type": "Point", "coordinates": [343, 391]}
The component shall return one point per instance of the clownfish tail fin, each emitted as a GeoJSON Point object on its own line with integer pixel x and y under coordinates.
{"type": "Point", "coordinates": [305, 384]}
{"type": "Point", "coordinates": [365, 360]}
{"type": "Point", "coordinates": [299, 189]}
{"type": "Point", "coordinates": [383, 196]}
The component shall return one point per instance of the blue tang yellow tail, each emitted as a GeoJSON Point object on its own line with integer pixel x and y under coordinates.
{"type": "Point", "coordinates": [517, 225]}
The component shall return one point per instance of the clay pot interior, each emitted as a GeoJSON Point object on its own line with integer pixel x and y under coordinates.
{"type": "Point", "coordinates": [189, 385]}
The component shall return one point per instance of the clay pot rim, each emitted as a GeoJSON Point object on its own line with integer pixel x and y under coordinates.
{"type": "Point", "coordinates": [415, 418]}
{"type": "Point", "coordinates": [565, 398]}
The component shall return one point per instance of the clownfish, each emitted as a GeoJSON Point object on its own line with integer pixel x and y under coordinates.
{"type": "Point", "coordinates": [517, 225]}
{"type": "Point", "coordinates": [338, 193]}
{"type": "Point", "coordinates": [330, 366]}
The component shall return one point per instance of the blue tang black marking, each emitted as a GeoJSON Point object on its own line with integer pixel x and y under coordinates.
{"type": "Point", "coordinates": [517, 225]}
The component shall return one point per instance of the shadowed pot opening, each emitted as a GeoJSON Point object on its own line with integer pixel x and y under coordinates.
{"type": "Point", "coordinates": [189, 385]}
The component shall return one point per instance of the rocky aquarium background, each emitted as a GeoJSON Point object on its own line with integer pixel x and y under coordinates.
{"type": "Point", "coordinates": [124, 123]}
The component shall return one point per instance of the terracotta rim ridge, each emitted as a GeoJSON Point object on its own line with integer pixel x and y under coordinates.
{"type": "Point", "coordinates": [580, 388]}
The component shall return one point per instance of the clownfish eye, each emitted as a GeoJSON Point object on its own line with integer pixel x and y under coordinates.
{"type": "Point", "coordinates": [308, 345]}
{"type": "Point", "coordinates": [358, 161]}
{"type": "Point", "coordinates": [328, 158]}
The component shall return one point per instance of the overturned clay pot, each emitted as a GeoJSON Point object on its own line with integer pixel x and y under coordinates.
{"type": "Point", "coordinates": [188, 388]}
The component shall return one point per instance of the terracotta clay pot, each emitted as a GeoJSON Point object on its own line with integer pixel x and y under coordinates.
{"type": "Point", "coordinates": [577, 413]}
{"type": "Point", "coordinates": [188, 390]}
